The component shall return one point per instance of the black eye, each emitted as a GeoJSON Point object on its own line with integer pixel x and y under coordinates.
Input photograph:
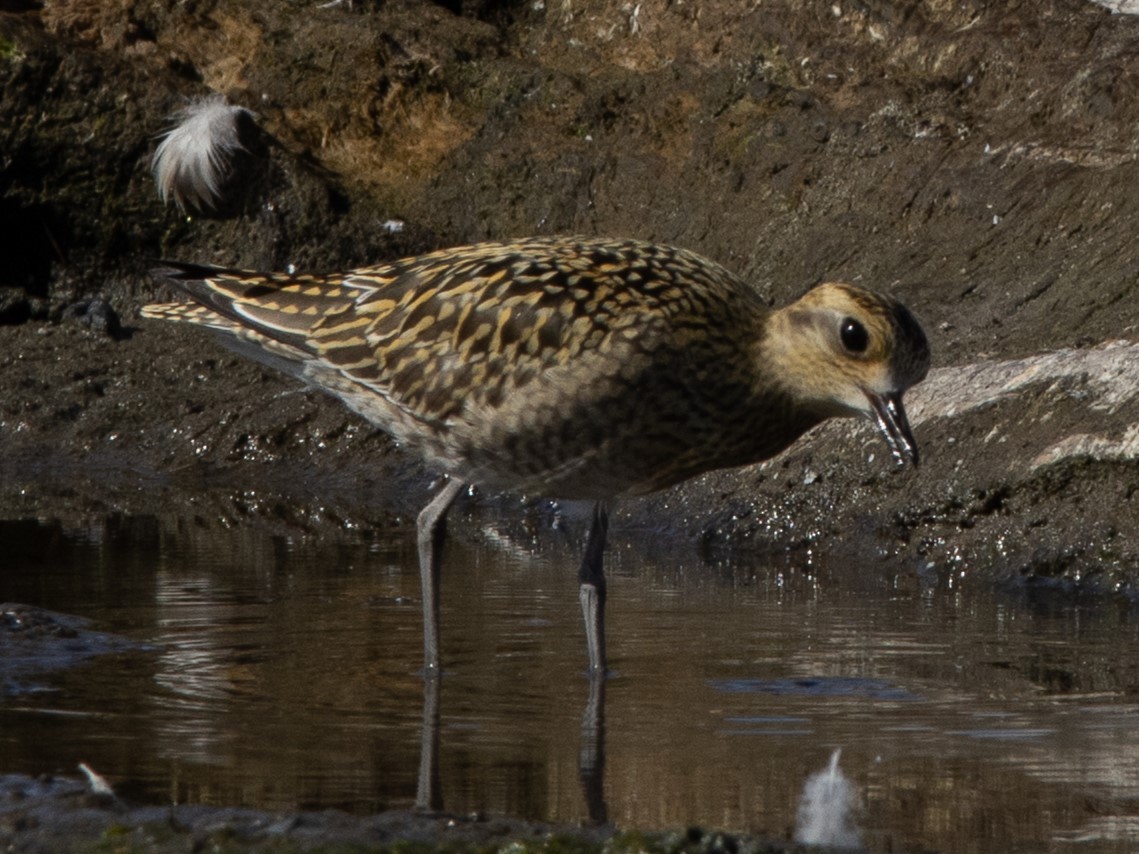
{"type": "Point", "coordinates": [854, 336]}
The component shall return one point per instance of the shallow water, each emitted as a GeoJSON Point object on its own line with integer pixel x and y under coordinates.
{"type": "Point", "coordinates": [284, 675]}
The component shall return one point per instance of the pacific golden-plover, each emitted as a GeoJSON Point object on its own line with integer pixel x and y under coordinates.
{"type": "Point", "coordinates": [569, 368]}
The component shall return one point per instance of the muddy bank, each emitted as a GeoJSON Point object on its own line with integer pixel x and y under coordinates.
{"type": "Point", "coordinates": [64, 815]}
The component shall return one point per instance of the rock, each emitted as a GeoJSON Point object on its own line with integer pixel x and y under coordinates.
{"type": "Point", "coordinates": [35, 640]}
{"type": "Point", "coordinates": [96, 314]}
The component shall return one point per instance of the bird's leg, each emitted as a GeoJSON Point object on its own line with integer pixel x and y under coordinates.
{"type": "Point", "coordinates": [429, 791]}
{"type": "Point", "coordinates": [592, 591]}
{"type": "Point", "coordinates": [431, 526]}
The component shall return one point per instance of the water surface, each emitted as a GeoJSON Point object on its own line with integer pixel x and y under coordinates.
{"type": "Point", "coordinates": [285, 675]}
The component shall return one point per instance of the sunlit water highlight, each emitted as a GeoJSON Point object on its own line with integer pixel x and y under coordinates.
{"type": "Point", "coordinates": [285, 676]}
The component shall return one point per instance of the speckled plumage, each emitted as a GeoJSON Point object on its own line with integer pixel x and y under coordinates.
{"type": "Point", "coordinates": [572, 367]}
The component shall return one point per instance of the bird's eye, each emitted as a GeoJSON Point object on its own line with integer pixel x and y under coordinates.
{"type": "Point", "coordinates": [854, 336]}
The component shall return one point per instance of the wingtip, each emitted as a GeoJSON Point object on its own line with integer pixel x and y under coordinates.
{"type": "Point", "coordinates": [179, 271]}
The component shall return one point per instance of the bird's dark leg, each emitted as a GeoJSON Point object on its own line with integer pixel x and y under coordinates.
{"type": "Point", "coordinates": [431, 526]}
{"type": "Point", "coordinates": [592, 591]}
{"type": "Point", "coordinates": [429, 792]}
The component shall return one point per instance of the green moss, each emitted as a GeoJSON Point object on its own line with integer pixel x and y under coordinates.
{"type": "Point", "coordinates": [10, 51]}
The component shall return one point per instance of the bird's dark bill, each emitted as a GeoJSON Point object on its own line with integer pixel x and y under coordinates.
{"type": "Point", "coordinates": [890, 416]}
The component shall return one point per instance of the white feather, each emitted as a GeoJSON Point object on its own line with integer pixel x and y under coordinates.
{"type": "Point", "coordinates": [193, 160]}
{"type": "Point", "coordinates": [826, 811]}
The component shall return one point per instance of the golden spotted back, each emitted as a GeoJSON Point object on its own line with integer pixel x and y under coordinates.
{"type": "Point", "coordinates": [486, 321]}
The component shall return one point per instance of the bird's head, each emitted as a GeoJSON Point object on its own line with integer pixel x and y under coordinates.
{"type": "Point", "coordinates": [842, 350]}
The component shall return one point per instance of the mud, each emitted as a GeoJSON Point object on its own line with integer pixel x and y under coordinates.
{"type": "Point", "coordinates": [979, 160]}
{"type": "Point", "coordinates": [60, 815]}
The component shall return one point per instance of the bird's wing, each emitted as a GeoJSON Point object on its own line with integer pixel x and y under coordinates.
{"type": "Point", "coordinates": [467, 328]}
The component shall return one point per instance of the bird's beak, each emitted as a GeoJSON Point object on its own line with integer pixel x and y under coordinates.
{"type": "Point", "coordinates": [890, 416]}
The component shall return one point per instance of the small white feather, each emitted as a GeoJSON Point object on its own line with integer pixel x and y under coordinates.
{"type": "Point", "coordinates": [97, 782]}
{"type": "Point", "coordinates": [827, 808]}
{"type": "Point", "coordinates": [193, 160]}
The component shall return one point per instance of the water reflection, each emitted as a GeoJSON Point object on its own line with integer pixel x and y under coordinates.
{"type": "Point", "coordinates": [286, 674]}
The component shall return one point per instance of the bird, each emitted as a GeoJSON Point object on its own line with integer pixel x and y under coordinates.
{"type": "Point", "coordinates": [568, 368]}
